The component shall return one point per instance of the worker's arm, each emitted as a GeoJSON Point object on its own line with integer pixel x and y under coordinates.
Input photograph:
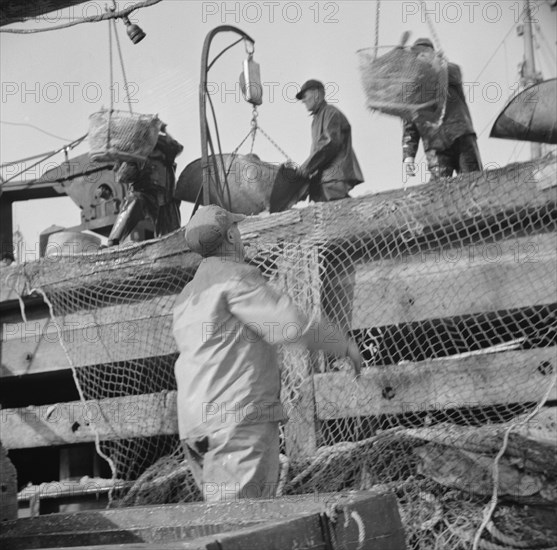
{"type": "Point", "coordinates": [410, 143]}
{"type": "Point", "coordinates": [276, 318]}
{"type": "Point", "coordinates": [327, 336]}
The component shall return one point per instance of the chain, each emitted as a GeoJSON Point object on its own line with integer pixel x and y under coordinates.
{"type": "Point", "coordinates": [254, 115]}
{"type": "Point", "coordinates": [253, 132]}
{"type": "Point", "coordinates": [270, 139]}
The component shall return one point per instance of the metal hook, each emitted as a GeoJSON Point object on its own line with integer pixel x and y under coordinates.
{"type": "Point", "coordinates": [249, 49]}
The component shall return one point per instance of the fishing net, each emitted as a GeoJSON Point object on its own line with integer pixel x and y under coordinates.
{"type": "Point", "coordinates": [405, 83]}
{"type": "Point", "coordinates": [449, 290]}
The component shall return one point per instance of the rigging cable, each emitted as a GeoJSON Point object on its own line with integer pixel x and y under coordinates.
{"type": "Point", "coordinates": [73, 144]}
{"type": "Point", "coordinates": [35, 128]}
{"type": "Point", "coordinates": [91, 19]}
{"type": "Point", "coordinates": [33, 157]}
{"type": "Point", "coordinates": [376, 36]}
{"type": "Point", "coordinates": [432, 30]}
{"type": "Point", "coordinates": [126, 86]}
{"type": "Point", "coordinates": [494, 53]}
{"type": "Point", "coordinates": [546, 44]}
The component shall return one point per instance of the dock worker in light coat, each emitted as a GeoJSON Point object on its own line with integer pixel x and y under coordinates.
{"type": "Point", "coordinates": [227, 323]}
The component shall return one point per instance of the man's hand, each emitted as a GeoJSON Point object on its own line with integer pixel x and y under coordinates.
{"type": "Point", "coordinates": [353, 352]}
{"type": "Point", "coordinates": [410, 166]}
{"type": "Point", "coordinates": [290, 164]}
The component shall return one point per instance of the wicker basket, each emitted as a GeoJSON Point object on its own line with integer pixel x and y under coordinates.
{"type": "Point", "coordinates": [122, 136]}
{"type": "Point", "coordinates": [405, 83]}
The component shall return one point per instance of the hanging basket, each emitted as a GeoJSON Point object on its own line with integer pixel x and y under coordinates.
{"type": "Point", "coordinates": [405, 83]}
{"type": "Point", "coordinates": [122, 136]}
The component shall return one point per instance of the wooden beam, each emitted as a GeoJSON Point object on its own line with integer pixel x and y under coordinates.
{"type": "Point", "coordinates": [362, 519]}
{"type": "Point", "coordinates": [435, 385]}
{"type": "Point", "coordinates": [76, 422]}
{"type": "Point", "coordinates": [455, 281]}
{"type": "Point", "coordinates": [105, 335]}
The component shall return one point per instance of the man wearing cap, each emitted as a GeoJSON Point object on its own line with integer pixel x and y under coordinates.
{"type": "Point", "coordinates": [450, 147]}
{"type": "Point", "coordinates": [227, 323]}
{"type": "Point", "coordinates": [332, 165]}
{"type": "Point", "coordinates": [150, 191]}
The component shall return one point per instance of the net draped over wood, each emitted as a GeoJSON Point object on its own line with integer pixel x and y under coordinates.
{"type": "Point", "coordinates": [449, 290]}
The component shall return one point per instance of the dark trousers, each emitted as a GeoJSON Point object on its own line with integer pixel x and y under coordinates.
{"type": "Point", "coordinates": [139, 206]}
{"type": "Point", "coordinates": [461, 157]}
{"type": "Point", "coordinates": [328, 191]}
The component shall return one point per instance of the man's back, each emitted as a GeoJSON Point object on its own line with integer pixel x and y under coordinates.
{"type": "Point", "coordinates": [226, 321]}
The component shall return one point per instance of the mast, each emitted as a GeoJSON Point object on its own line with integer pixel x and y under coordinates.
{"type": "Point", "coordinates": [529, 74]}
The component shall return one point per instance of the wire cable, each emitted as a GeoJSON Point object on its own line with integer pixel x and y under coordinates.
{"type": "Point", "coordinates": [126, 86]}
{"type": "Point", "coordinates": [91, 19]}
{"type": "Point", "coordinates": [48, 155]}
{"type": "Point", "coordinates": [495, 52]}
{"type": "Point", "coordinates": [34, 127]}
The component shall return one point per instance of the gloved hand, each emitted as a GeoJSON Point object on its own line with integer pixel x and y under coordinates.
{"type": "Point", "coordinates": [410, 166]}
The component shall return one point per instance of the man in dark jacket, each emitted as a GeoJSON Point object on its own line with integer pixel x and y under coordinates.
{"type": "Point", "coordinates": [150, 191]}
{"type": "Point", "coordinates": [450, 147]}
{"type": "Point", "coordinates": [332, 165]}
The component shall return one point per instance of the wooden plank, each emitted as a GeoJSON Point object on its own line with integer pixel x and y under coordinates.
{"type": "Point", "coordinates": [371, 523]}
{"type": "Point", "coordinates": [183, 520]}
{"type": "Point", "coordinates": [301, 430]}
{"type": "Point", "coordinates": [455, 281]}
{"type": "Point", "coordinates": [438, 384]}
{"type": "Point", "coordinates": [91, 338]}
{"type": "Point", "coordinates": [435, 385]}
{"type": "Point", "coordinates": [435, 338]}
{"type": "Point", "coordinates": [68, 423]}
{"type": "Point", "coordinates": [303, 532]}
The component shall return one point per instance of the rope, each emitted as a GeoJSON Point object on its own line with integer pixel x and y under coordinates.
{"type": "Point", "coordinates": [126, 87]}
{"type": "Point", "coordinates": [111, 71]}
{"type": "Point", "coordinates": [376, 35]}
{"type": "Point", "coordinates": [431, 27]}
{"type": "Point", "coordinates": [91, 19]}
{"type": "Point", "coordinates": [78, 387]}
{"type": "Point", "coordinates": [495, 475]}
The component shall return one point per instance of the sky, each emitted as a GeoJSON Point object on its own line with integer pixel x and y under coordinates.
{"type": "Point", "coordinates": [53, 81]}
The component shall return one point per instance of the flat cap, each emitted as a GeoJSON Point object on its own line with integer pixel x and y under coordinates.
{"type": "Point", "coordinates": [423, 42]}
{"type": "Point", "coordinates": [207, 228]}
{"type": "Point", "coordinates": [310, 85]}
